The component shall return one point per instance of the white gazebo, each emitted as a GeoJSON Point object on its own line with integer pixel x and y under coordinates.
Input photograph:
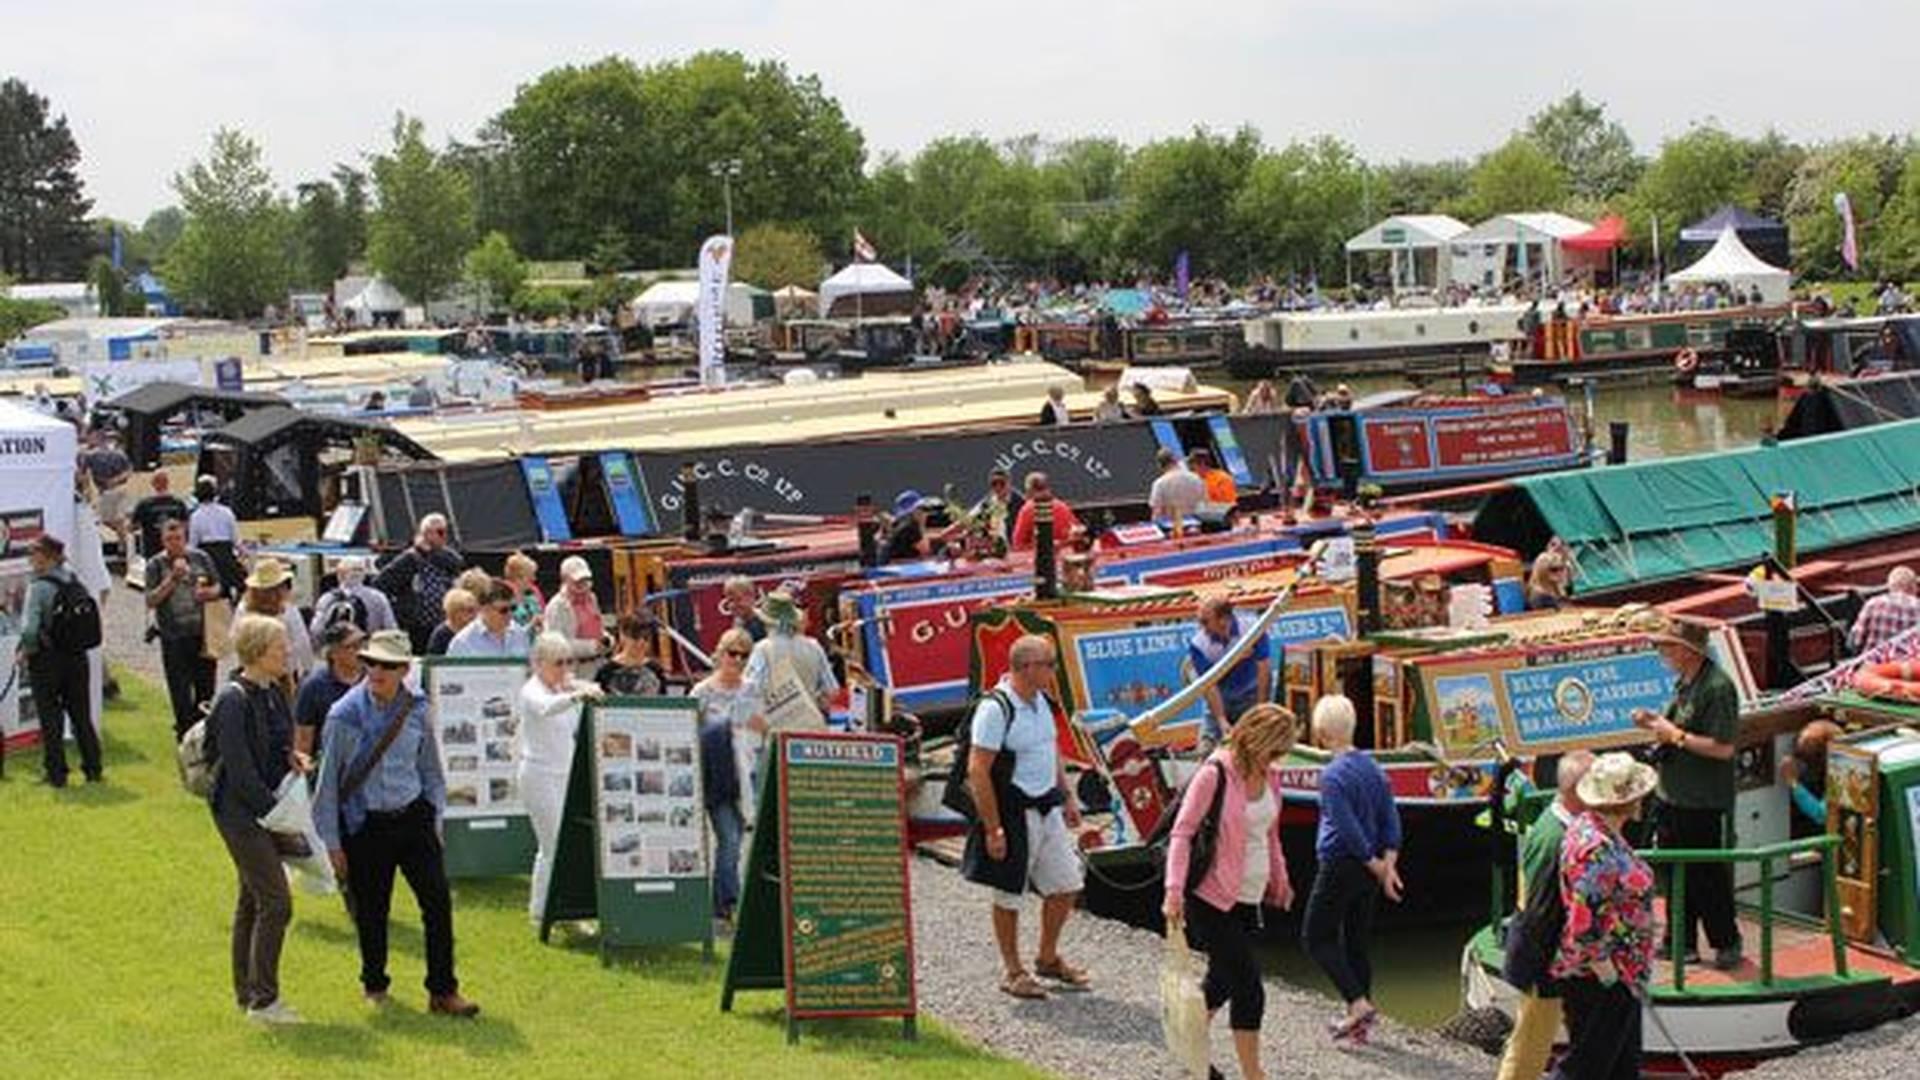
{"type": "Point", "coordinates": [865, 288]}
{"type": "Point", "coordinates": [1519, 247]}
{"type": "Point", "coordinates": [1417, 249]}
{"type": "Point", "coordinates": [1729, 262]}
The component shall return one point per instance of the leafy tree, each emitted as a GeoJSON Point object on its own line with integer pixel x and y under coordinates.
{"type": "Point", "coordinates": [1518, 177]}
{"type": "Point", "coordinates": [1860, 167]}
{"type": "Point", "coordinates": [18, 316]}
{"type": "Point", "coordinates": [110, 289]}
{"type": "Point", "coordinates": [43, 204]}
{"type": "Point", "coordinates": [1420, 187]}
{"type": "Point", "coordinates": [892, 217]}
{"type": "Point", "coordinates": [321, 231]}
{"type": "Point", "coordinates": [159, 233]}
{"type": "Point", "coordinates": [1771, 162]}
{"type": "Point", "coordinates": [609, 254]}
{"type": "Point", "coordinates": [1180, 198]}
{"type": "Point", "coordinates": [1088, 170]}
{"type": "Point", "coordinates": [498, 270]}
{"type": "Point", "coordinates": [775, 256]}
{"type": "Point", "coordinates": [1693, 175]}
{"type": "Point", "coordinates": [1594, 153]}
{"type": "Point", "coordinates": [424, 218]}
{"type": "Point", "coordinates": [232, 256]}
{"type": "Point", "coordinates": [1897, 233]}
{"type": "Point", "coordinates": [1298, 206]}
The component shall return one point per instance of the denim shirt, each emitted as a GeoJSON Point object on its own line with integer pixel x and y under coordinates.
{"type": "Point", "coordinates": [410, 770]}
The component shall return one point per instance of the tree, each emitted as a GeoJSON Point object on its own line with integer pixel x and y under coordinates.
{"type": "Point", "coordinates": [43, 205]}
{"type": "Point", "coordinates": [1298, 206]}
{"type": "Point", "coordinates": [497, 270]}
{"type": "Point", "coordinates": [774, 256]}
{"type": "Point", "coordinates": [110, 289]}
{"type": "Point", "coordinates": [160, 232]}
{"type": "Point", "coordinates": [1594, 153]}
{"type": "Point", "coordinates": [1518, 177]}
{"type": "Point", "coordinates": [424, 217]}
{"type": "Point", "coordinates": [1861, 168]}
{"type": "Point", "coordinates": [1897, 235]}
{"type": "Point", "coordinates": [1421, 187]}
{"type": "Point", "coordinates": [232, 256]}
{"type": "Point", "coordinates": [320, 229]}
{"type": "Point", "coordinates": [1693, 175]}
{"type": "Point", "coordinates": [1771, 162]}
{"type": "Point", "coordinates": [19, 316]}
{"type": "Point", "coordinates": [1180, 198]}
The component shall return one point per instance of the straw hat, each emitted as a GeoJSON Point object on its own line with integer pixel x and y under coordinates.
{"type": "Point", "coordinates": [268, 573]}
{"type": "Point", "coordinates": [1691, 635]}
{"type": "Point", "coordinates": [778, 608]}
{"type": "Point", "coordinates": [388, 647]}
{"type": "Point", "coordinates": [1615, 780]}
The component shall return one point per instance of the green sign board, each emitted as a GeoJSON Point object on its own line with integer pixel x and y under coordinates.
{"type": "Point", "coordinates": [471, 704]}
{"type": "Point", "coordinates": [632, 849]}
{"type": "Point", "coordinates": [832, 833]}
{"type": "Point", "coordinates": [1393, 234]}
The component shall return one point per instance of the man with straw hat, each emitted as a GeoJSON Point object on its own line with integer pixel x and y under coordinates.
{"type": "Point", "coordinates": [1695, 809]}
{"type": "Point", "coordinates": [378, 808]}
{"type": "Point", "coordinates": [1606, 948]}
{"type": "Point", "coordinates": [787, 654]}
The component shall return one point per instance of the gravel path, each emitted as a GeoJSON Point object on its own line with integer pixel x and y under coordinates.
{"type": "Point", "coordinates": [1891, 1050]}
{"type": "Point", "coordinates": [1114, 1031]}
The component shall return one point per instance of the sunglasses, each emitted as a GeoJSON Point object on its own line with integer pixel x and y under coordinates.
{"type": "Point", "coordinates": [382, 665]}
{"type": "Point", "coordinates": [739, 654]}
{"type": "Point", "coordinates": [504, 609]}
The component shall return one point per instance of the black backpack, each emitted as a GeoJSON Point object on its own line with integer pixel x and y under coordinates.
{"type": "Point", "coordinates": [1201, 859]}
{"type": "Point", "coordinates": [73, 620]}
{"type": "Point", "coordinates": [344, 607]}
{"type": "Point", "coordinates": [959, 794]}
{"type": "Point", "coordinates": [1533, 937]}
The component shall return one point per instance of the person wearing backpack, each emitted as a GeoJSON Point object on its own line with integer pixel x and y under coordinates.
{"type": "Point", "coordinates": [1226, 841]}
{"type": "Point", "coordinates": [351, 600]}
{"type": "Point", "coordinates": [1024, 817]}
{"type": "Point", "coordinates": [60, 624]}
{"type": "Point", "coordinates": [1537, 1021]}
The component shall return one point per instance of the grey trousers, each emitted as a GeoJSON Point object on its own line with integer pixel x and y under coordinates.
{"type": "Point", "coordinates": [260, 916]}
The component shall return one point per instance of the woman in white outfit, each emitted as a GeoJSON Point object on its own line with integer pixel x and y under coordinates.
{"type": "Point", "coordinates": [549, 714]}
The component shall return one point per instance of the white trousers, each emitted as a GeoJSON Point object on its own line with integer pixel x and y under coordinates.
{"type": "Point", "coordinates": [545, 793]}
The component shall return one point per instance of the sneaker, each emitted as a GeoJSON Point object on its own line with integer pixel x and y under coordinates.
{"type": "Point", "coordinates": [1727, 959]}
{"type": "Point", "coordinates": [275, 1015]}
{"type": "Point", "coordinates": [379, 999]}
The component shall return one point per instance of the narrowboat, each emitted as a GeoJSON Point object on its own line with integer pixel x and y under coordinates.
{"type": "Point", "coordinates": [1405, 440]}
{"type": "Point", "coordinates": [1603, 345]}
{"type": "Point", "coordinates": [1284, 341]}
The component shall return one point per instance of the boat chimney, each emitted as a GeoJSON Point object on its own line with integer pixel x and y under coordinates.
{"type": "Point", "coordinates": [1366, 562]}
{"type": "Point", "coordinates": [690, 502]}
{"type": "Point", "coordinates": [1046, 573]}
{"type": "Point", "coordinates": [868, 528]}
{"type": "Point", "coordinates": [1617, 442]}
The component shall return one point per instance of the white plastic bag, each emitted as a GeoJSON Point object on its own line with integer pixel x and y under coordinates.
{"type": "Point", "coordinates": [1183, 1006]}
{"type": "Point", "coordinates": [292, 815]}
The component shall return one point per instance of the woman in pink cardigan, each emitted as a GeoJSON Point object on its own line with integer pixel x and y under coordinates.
{"type": "Point", "coordinates": [1248, 869]}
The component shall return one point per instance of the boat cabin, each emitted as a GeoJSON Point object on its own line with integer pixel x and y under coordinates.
{"type": "Point", "coordinates": [280, 462]}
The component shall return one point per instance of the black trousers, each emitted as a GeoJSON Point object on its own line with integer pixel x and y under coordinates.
{"type": "Point", "coordinates": [1603, 1032]}
{"type": "Point", "coordinates": [1233, 969]}
{"type": "Point", "coordinates": [60, 696]}
{"type": "Point", "coordinates": [1338, 922]}
{"type": "Point", "coordinates": [190, 678]}
{"type": "Point", "coordinates": [405, 841]}
{"type": "Point", "coordinates": [1709, 886]}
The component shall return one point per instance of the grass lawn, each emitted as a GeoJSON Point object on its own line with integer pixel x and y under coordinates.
{"type": "Point", "coordinates": [115, 903]}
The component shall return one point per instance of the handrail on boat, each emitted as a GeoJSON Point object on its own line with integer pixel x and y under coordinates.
{"type": "Point", "coordinates": [1766, 856]}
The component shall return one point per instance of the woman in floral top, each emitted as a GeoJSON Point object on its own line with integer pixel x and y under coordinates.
{"type": "Point", "coordinates": [1606, 950]}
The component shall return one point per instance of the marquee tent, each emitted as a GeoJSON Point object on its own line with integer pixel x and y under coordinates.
{"type": "Point", "coordinates": [1607, 233]}
{"type": "Point", "coordinates": [1762, 235]}
{"type": "Point", "coordinates": [1729, 262]}
{"type": "Point", "coordinates": [1416, 246]}
{"type": "Point", "coordinates": [36, 494]}
{"type": "Point", "coordinates": [1525, 247]}
{"type": "Point", "coordinates": [671, 303]}
{"type": "Point", "coordinates": [865, 288]}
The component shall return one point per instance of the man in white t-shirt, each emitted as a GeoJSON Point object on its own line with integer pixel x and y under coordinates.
{"type": "Point", "coordinates": [1176, 493]}
{"type": "Point", "coordinates": [1023, 838]}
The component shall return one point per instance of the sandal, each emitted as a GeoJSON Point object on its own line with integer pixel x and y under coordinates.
{"type": "Point", "coordinates": [1062, 972]}
{"type": "Point", "coordinates": [1355, 1029]}
{"type": "Point", "coordinates": [1022, 985]}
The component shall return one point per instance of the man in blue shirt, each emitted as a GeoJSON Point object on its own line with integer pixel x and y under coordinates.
{"type": "Point", "coordinates": [494, 633]}
{"type": "Point", "coordinates": [378, 808]}
{"type": "Point", "coordinates": [1246, 684]}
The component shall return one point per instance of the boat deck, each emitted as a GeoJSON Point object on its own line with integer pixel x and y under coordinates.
{"type": "Point", "coordinates": [1800, 952]}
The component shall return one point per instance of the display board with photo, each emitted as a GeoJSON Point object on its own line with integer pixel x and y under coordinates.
{"type": "Point", "coordinates": [472, 707]}
{"type": "Point", "coordinates": [647, 786]}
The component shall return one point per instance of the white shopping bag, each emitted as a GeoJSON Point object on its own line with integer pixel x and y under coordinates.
{"type": "Point", "coordinates": [292, 815]}
{"type": "Point", "coordinates": [1183, 1007]}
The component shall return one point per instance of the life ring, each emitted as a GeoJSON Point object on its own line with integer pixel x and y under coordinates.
{"type": "Point", "coordinates": [1686, 360]}
{"type": "Point", "coordinates": [1895, 679]}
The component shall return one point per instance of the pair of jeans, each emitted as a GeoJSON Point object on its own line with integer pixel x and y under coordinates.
{"type": "Point", "coordinates": [1233, 968]}
{"type": "Point", "coordinates": [260, 915]}
{"type": "Point", "coordinates": [1337, 923]}
{"type": "Point", "coordinates": [1603, 1032]}
{"type": "Point", "coordinates": [406, 841]}
{"type": "Point", "coordinates": [727, 830]}
{"type": "Point", "coordinates": [190, 678]}
{"type": "Point", "coordinates": [1709, 885]}
{"type": "Point", "coordinates": [62, 696]}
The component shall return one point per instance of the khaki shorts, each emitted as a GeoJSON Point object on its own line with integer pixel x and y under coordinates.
{"type": "Point", "coordinates": [1053, 866]}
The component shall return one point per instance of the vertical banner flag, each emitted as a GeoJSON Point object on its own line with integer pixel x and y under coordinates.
{"type": "Point", "coordinates": [716, 259]}
{"type": "Point", "coordinates": [1181, 275]}
{"type": "Point", "coordinates": [863, 250]}
{"type": "Point", "coordinates": [1849, 243]}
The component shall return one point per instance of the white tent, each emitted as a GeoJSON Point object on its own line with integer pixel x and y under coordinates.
{"type": "Point", "coordinates": [1522, 246]}
{"type": "Point", "coordinates": [36, 493]}
{"type": "Point", "coordinates": [1416, 247]}
{"type": "Point", "coordinates": [671, 303]}
{"type": "Point", "coordinates": [1728, 261]}
{"type": "Point", "coordinates": [868, 287]}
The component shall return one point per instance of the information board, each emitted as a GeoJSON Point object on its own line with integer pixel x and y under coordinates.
{"type": "Point", "coordinates": [1547, 701]}
{"type": "Point", "coordinates": [832, 831]}
{"type": "Point", "coordinates": [632, 850]}
{"type": "Point", "coordinates": [471, 703]}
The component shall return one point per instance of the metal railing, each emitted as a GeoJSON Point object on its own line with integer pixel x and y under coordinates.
{"type": "Point", "coordinates": [1766, 857]}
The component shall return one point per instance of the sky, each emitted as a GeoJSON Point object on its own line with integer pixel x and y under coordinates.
{"type": "Point", "coordinates": [144, 86]}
